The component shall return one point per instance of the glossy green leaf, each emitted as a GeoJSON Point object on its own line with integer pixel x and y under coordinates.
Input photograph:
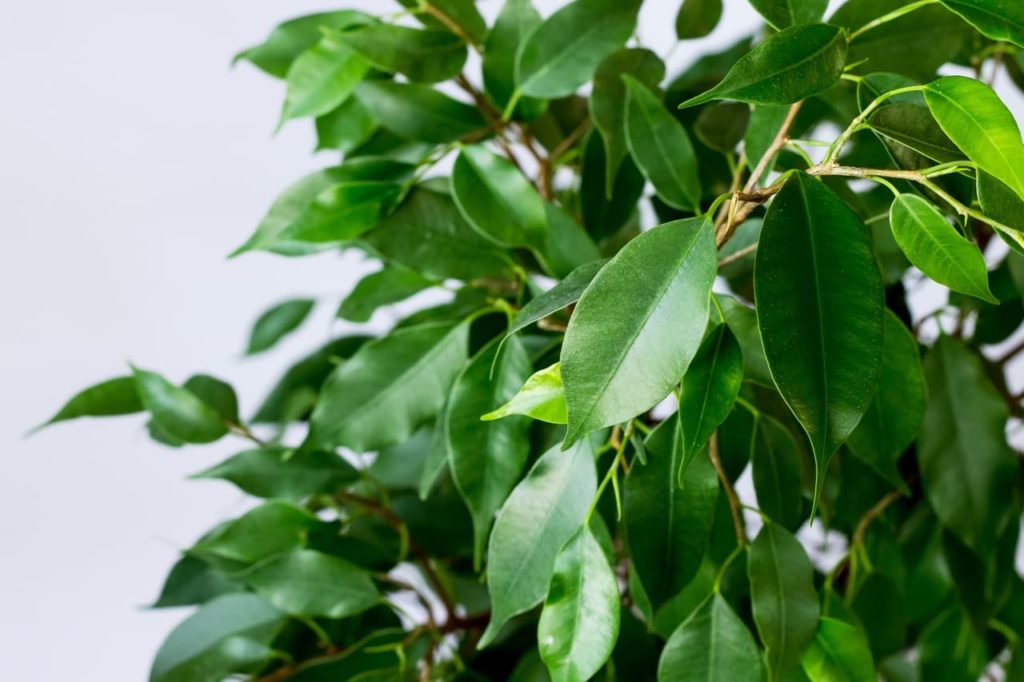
{"type": "Point", "coordinates": [276, 472]}
{"type": "Point", "coordinates": [270, 529]}
{"type": "Point", "coordinates": [278, 322]}
{"type": "Point", "coordinates": [661, 148]}
{"type": "Point", "coordinates": [792, 65]}
{"type": "Point", "coordinates": [231, 634]}
{"type": "Point", "coordinates": [626, 345]}
{"type": "Point", "coordinates": [389, 285]}
{"type": "Point", "coordinates": [323, 77]}
{"type": "Point", "coordinates": [568, 244]}
{"type": "Point", "coordinates": [605, 214]}
{"type": "Point", "coordinates": [541, 514]}
{"type": "Point", "coordinates": [487, 457]}
{"type": "Point", "coordinates": [820, 311]}
{"type": "Point", "coordinates": [722, 125]}
{"type": "Point", "coordinates": [697, 18]}
{"type": "Point", "coordinates": [580, 620]}
{"type": "Point", "coordinates": [742, 321]}
{"type": "Point", "coordinates": [995, 19]}
{"type": "Point", "coordinates": [457, 13]}
{"type": "Point", "coordinates": [421, 56]}
{"type": "Point", "coordinates": [712, 645]}
{"type": "Point", "coordinates": [178, 411]}
{"type": "Point", "coordinates": [192, 582]}
{"type": "Point", "coordinates": [786, 13]}
{"type": "Point", "coordinates": [515, 21]}
{"type": "Point", "coordinates": [419, 112]}
{"type": "Point", "coordinates": [563, 294]}
{"type": "Point", "coordinates": [562, 53]}
{"type": "Point", "coordinates": [784, 602]}
{"type": "Point", "coordinates": [668, 525]}
{"type": "Point", "coordinates": [777, 472]}
{"type": "Point", "coordinates": [309, 583]}
{"type": "Point", "coordinates": [389, 388]}
{"type": "Point", "coordinates": [540, 398]}
{"type": "Point", "coordinates": [345, 128]}
{"type": "Point", "coordinates": [287, 41]}
{"type": "Point", "coordinates": [109, 398]}
{"type": "Point", "coordinates": [839, 653]}
{"type": "Point", "coordinates": [966, 465]}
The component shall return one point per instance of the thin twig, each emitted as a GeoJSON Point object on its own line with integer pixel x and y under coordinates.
{"type": "Point", "coordinates": [734, 501]}
{"type": "Point", "coordinates": [733, 257]}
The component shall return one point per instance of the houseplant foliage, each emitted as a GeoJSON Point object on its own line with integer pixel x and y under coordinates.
{"type": "Point", "coordinates": [487, 491]}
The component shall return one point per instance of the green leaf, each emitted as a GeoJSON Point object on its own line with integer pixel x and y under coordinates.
{"type": "Point", "coordinates": [515, 21]}
{"type": "Point", "coordinates": [461, 13]}
{"type": "Point", "coordinates": [270, 529]}
{"type": "Point", "coordinates": [277, 472]}
{"type": "Point", "coordinates": [543, 511]}
{"type": "Point", "coordinates": [308, 583]}
{"type": "Point", "coordinates": [568, 244]}
{"type": "Point", "coordinates": [389, 285]}
{"type": "Point", "coordinates": [421, 56]}
{"type": "Point", "coordinates": [776, 470]}
{"type": "Point", "coordinates": [966, 465]}
{"type": "Point", "coordinates": [785, 13]}
{"type": "Point", "coordinates": [192, 582]}
{"type": "Point", "coordinates": [782, 594]}
{"type": "Point", "coordinates": [231, 634]}
{"type": "Point", "coordinates": [697, 18]}
{"type": "Point", "coordinates": [712, 645]}
{"type": "Point", "coordinates": [278, 322]}
{"type": "Point", "coordinates": [605, 216]}
{"type": "Point", "coordinates": [820, 311]}
{"type": "Point", "coordinates": [661, 148]}
{"type": "Point", "coordinates": [632, 336]}
{"type": "Point", "coordinates": [389, 388]}
{"type": "Point", "coordinates": [418, 112]}
{"type": "Point", "coordinates": [540, 398]}
{"type": "Point", "coordinates": [985, 130]}
{"type": "Point", "coordinates": [342, 213]}
{"type": "Point", "coordinates": [217, 394]}
{"type": "Point", "coordinates": [995, 19]}
{"type": "Point", "coordinates": [721, 126]}
{"type": "Point", "coordinates": [323, 77]}
{"type": "Point", "coordinates": [178, 411]}
{"type": "Point", "coordinates": [668, 524]}
{"type": "Point", "coordinates": [487, 458]}
{"type": "Point", "coordinates": [497, 200]}
{"type": "Point", "coordinates": [287, 41]}
{"type": "Point", "coordinates": [839, 653]}
{"type": "Point", "coordinates": [742, 321]}
{"type": "Point", "coordinates": [792, 65]}
{"type": "Point", "coordinates": [580, 620]}
{"type": "Point", "coordinates": [345, 128]}
{"type": "Point", "coordinates": [563, 294]}
{"type": "Point", "coordinates": [562, 53]}
{"type": "Point", "coordinates": [709, 390]}
{"type": "Point", "coordinates": [765, 121]}
{"type": "Point", "coordinates": [109, 398]}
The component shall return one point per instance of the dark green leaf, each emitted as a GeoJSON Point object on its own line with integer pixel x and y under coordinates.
{"type": "Point", "coordinates": [742, 320]}
{"type": "Point", "coordinates": [308, 583]}
{"type": "Point", "coordinates": [283, 473]}
{"type": "Point", "coordinates": [540, 398]}
{"type": "Point", "coordinates": [392, 284]}
{"type": "Point", "coordinates": [515, 21]}
{"type": "Point", "coordinates": [422, 56]}
{"type": "Point", "coordinates": [697, 18]}
{"type": "Point", "coordinates": [605, 216]}
{"type": "Point", "coordinates": [765, 121]}
{"type": "Point", "coordinates": [786, 13]}
{"type": "Point", "coordinates": [563, 294]}
{"type": "Point", "coordinates": [996, 19]}
{"type": "Point", "coordinates": [278, 322]}
{"type": "Point", "coordinates": [418, 112]}
{"type": "Point", "coordinates": [178, 411]}
{"type": "Point", "coordinates": [108, 398]}
{"type": "Point", "coordinates": [192, 582]}
{"type": "Point", "coordinates": [776, 469]}
{"type": "Point", "coordinates": [217, 394]}
{"type": "Point", "coordinates": [721, 126]}
{"type": "Point", "coordinates": [839, 653]}
{"type": "Point", "coordinates": [287, 41]}
{"type": "Point", "coordinates": [270, 529]}
{"type": "Point", "coordinates": [712, 645]}
{"type": "Point", "coordinates": [568, 244]}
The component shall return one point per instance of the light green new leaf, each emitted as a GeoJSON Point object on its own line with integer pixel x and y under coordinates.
{"type": "Point", "coordinates": [422, 56]}
{"type": "Point", "coordinates": [278, 322]}
{"type": "Point", "coordinates": [177, 411]}
{"type": "Point", "coordinates": [966, 465]}
{"type": "Point", "coordinates": [789, 66]}
{"type": "Point", "coordinates": [109, 398]}
{"type": "Point", "coordinates": [785, 13]}
{"type": "Point", "coordinates": [995, 19]}
{"type": "Point", "coordinates": [697, 18]}
{"type": "Point", "coordinates": [712, 645]}
{"type": "Point", "coordinates": [668, 525]}
{"type": "Point", "coordinates": [782, 594]}
{"type": "Point", "coordinates": [515, 21]}
{"type": "Point", "coordinates": [661, 148]}
{"type": "Point", "coordinates": [419, 112]}
{"type": "Point", "coordinates": [231, 634]}
{"type": "Point", "coordinates": [392, 284]}
{"type": "Point", "coordinates": [322, 77]}
{"type": "Point", "coordinates": [562, 53]}
{"type": "Point", "coordinates": [304, 582]}
{"type": "Point", "coordinates": [580, 620]}
{"type": "Point", "coordinates": [563, 294]}
{"type": "Point", "coordinates": [936, 247]}
{"type": "Point", "coordinates": [290, 39]}
{"type": "Point", "coordinates": [389, 388]}
{"type": "Point", "coordinates": [270, 529]}
{"type": "Point", "coordinates": [839, 652]}
{"type": "Point", "coordinates": [638, 325]}
{"type": "Point", "coordinates": [543, 511]}
{"type": "Point", "coordinates": [820, 308]}
{"type": "Point", "coordinates": [541, 398]}
{"type": "Point", "coordinates": [487, 457]}
{"type": "Point", "coordinates": [277, 472]}
{"type": "Point", "coordinates": [497, 200]}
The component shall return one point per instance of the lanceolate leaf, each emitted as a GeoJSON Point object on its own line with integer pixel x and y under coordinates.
{"type": "Point", "coordinates": [322, 77]}
{"type": "Point", "coordinates": [712, 645]}
{"type": "Point", "coordinates": [281, 473]}
{"type": "Point", "coordinates": [418, 112]}
{"type": "Point", "coordinates": [563, 294]}
{"type": "Point", "coordinates": [996, 19]}
{"type": "Point", "coordinates": [790, 66]}
{"type": "Point", "coordinates": [308, 583]}
{"type": "Point", "coordinates": [820, 311]}
{"type": "Point", "coordinates": [267, 531]}
{"type": "Point", "coordinates": [392, 284]}
{"type": "Point", "coordinates": [543, 511]}
{"type": "Point", "coordinates": [106, 399]}
{"type": "Point", "coordinates": [515, 21]}
{"type": "Point", "coordinates": [286, 42]}
{"type": "Point", "coordinates": [638, 325]}
{"type": "Point", "coordinates": [782, 593]}
{"type": "Point", "coordinates": [422, 56]}
{"type": "Point", "coordinates": [777, 472]}
{"type": "Point", "coordinates": [580, 621]}
{"type": "Point", "coordinates": [786, 13]}
{"type": "Point", "coordinates": [178, 411]}
{"type": "Point", "coordinates": [277, 322]}
{"type": "Point", "coordinates": [839, 653]}
{"type": "Point", "coordinates": [384, 392]}
{"type": "Point", "coordinates": [697, 18]}
{"type": "Point", "coordinates": [540, 398]}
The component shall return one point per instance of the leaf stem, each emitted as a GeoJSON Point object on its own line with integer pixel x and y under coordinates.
{"type": "Point", "coordinates": [612, 470]}
{"type": "Point", "coordinates": [891, 16]}
{"type": "Point", "coordinates": [836, 148]}
{"type": "Point", "coordinates": [734, 501]}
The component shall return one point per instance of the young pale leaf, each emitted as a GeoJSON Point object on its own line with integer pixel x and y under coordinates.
{"type": "Point", "coordinates": [661, 148]}
{"type": "Point", "coordinates": [562, 53]}
{"type": "Point", "coordinates": [276, 472]}
{"type": "Point", "coordinates": [790, 66]}
{"type": "Point", "coordinates": [497, 200]}
{"type": "Point", "coordinates": [322, 77]}
{"type": "Point", "coordinates": [286, 42]}
{"type": "Point", "coordinates": [839, 653]}
{"type": "Point", "coordinates": [177, 411]}
{"type": "Point", "coordinates": [419, 112]}
{"type": "Point", "coordinates": [543, 511]}
{"type": "Point", "coordinates": [392, 284]}
{"type": "Point", "coordinates": [785, 13]}
{"type": "Point", "coordinates": [775, 466]}
{"type": "Point", "coordinates": [389, 388]}
{"type": "Point", "coordinates": [304, 582]}
{"type": "Point", "coordinates": [580, 620]}
{"type": "Point", "coordinates": [421, 56]}
{"type": "Point", "coordinates": [966, 465]}
{"type": "Point", "coordinates": [278, 322]}
{"type": "Point", "coordinates": [638, 325]}
{"type": "Point", "coordinates": [712, 645]}
{"type": "Point", "coordinates": [668, 525]}
{"type": "Point", "coordinates": [782, 594]}
{"type": "Point", "coordinates": [709, 390]}
{"type": "Point", "coordinates": [487, 458]}
{"type": "Point", "coordinates": [541, 398]}
{"type": "Point", "coordinates": [697, 18]}
{"type": "Point", "coordinates": [270, 529]}
{"type": "Point", "coordinates": [192, 582]}
{"type": "Point", "coordinates": [231, 634]}
{"type": "Point", "coordinates": [515, 21]}
{"type": "Point", "coordinates": [109, 398]}
{"type": "Point", "coordinates": [563, 294]}
{"type": "Point", "coordinates": [820, 310]}
{"type": "Point", "coordinates": [995, 19]}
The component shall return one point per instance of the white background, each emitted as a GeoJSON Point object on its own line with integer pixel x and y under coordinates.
{"type": "Point", "coordinates": [132, 159]}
